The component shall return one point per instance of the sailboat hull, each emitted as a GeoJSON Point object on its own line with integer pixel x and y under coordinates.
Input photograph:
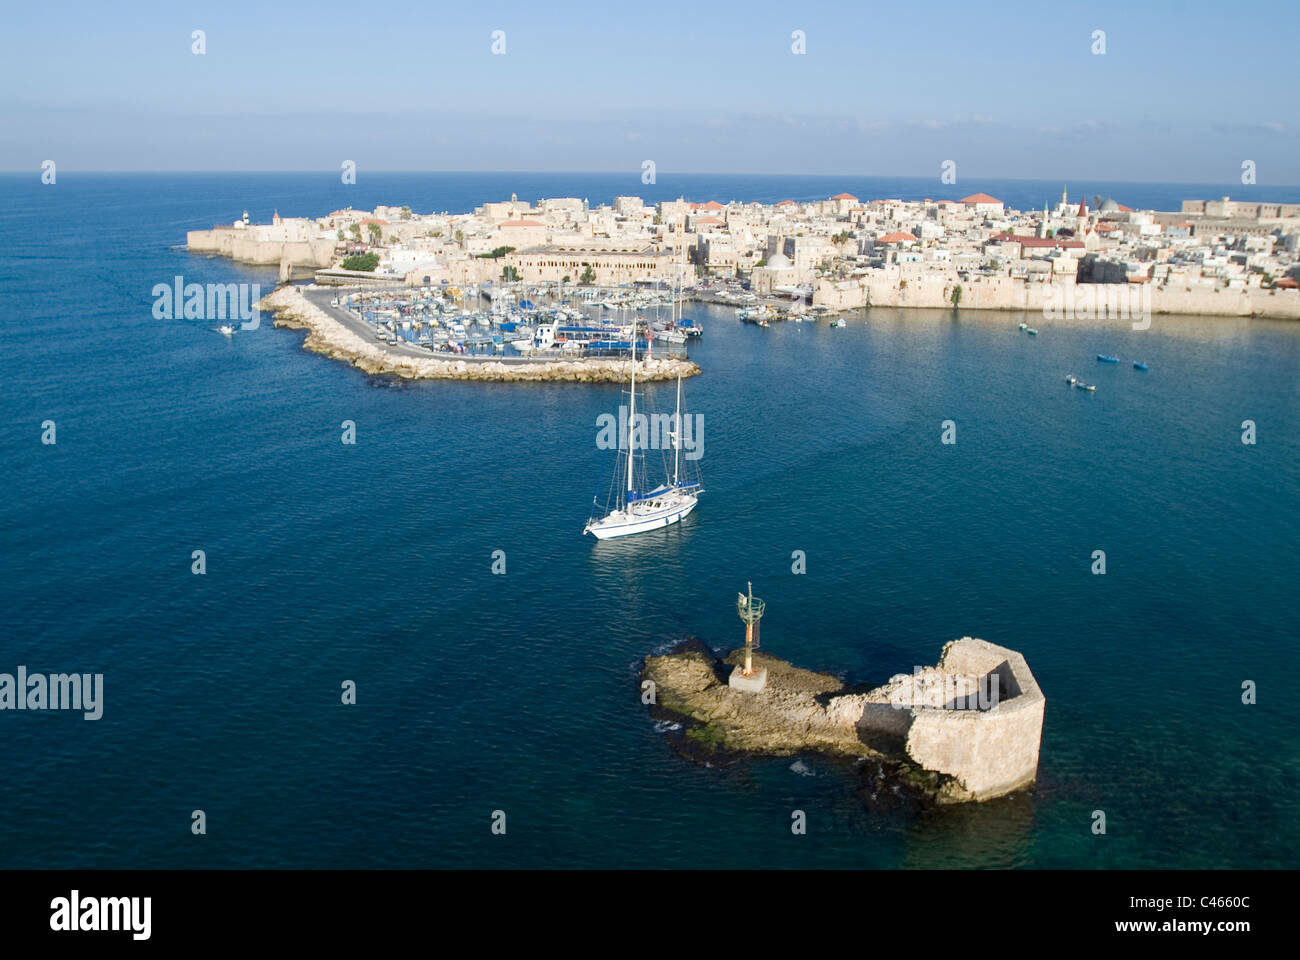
{"type": "Point", "coordinates": [621, 524]}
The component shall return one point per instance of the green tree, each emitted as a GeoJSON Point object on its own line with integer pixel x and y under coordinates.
{"type": "Point", "coordinates": [375, 231]}
{"type": "Point", "coordinates": [355, 230]}
{"type": "Point", "coordinates": [509, 274]}
{"type": "Point", "coordinates": [365, 262]}
{"type": "Point", "coordinates": [406, 213]}
{"type": "Point", "coordinates": [956, 295]}
{"type": "Point", "coordinates": [588, 276]}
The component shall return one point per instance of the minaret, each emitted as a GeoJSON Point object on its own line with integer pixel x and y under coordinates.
{"type": "Point", "coordinates": [1065, 198]}
{"type": "Point", "coordinates": [1042, 224]}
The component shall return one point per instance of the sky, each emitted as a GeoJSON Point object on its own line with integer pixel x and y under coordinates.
{"type": "Point", "coordinates": [1184, 92]}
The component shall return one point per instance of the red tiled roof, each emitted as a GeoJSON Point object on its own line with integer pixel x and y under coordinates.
{"type": "Point", "coordinates": [980, 198]}
{"type": "Point", "coordinates": [711, 205]}
{"type": "Point", "coordinates": [1124, 209]}
{"type": "Point", "coordinates": [899, 236]}
{"type": "Point", "coordinates": [844, 196]}
{"type": "Point", "coordinates": [784, 203]}
{"type": "Point", "coordinates": [708, 220]}
{"type": "Point", "coordinates": [523, 223]}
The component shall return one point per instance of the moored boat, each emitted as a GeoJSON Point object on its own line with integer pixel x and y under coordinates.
{"type": "Point", "coordinates": [635, 512]}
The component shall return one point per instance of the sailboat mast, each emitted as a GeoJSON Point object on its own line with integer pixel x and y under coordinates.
{"type": "Point", "coordinates": [677, 432]}
{"type": "Point", "coordinates": [631, 414]}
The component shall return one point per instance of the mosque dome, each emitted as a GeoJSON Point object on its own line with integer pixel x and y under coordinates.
{"type": "Point", "coordinates": [1109, 206]}
{"type": "Point", "coordinates": [778, 261]}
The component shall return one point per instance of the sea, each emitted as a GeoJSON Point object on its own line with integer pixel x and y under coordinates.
{"type": "Point", "coordinates": [437, 565]}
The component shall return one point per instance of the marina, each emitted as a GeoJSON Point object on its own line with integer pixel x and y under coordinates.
{"type": "Point", "coordinates": [519, 323]}
{"type": "Point", "coordinates": [377, 347]}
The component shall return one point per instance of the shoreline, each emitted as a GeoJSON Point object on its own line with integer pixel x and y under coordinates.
{"type": "Point", "coordinates": [292, 309]}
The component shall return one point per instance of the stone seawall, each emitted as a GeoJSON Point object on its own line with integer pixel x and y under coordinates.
{"type": "Point", "coordinates": [237, 245]}
{"type": "Point", "coordinates": [1008, 293]}
{"type": "Point", "coordinates": [327, 335]}
{"type": "Point", "coordinates": [979, 744]}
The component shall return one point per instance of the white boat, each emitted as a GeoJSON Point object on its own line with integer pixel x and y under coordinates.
{"type": "Point", "coordinates": [227, 330]}
{"type": "Point", "coordinates": [635, 512]}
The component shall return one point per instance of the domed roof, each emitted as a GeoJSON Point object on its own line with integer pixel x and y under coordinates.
{"type": "Point", "coordinates": [778, 261]}
{"type": "Point", "coordinates": [1110, 206]}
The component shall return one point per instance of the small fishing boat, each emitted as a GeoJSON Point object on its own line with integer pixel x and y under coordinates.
{"type": "Point", "coordinates": [1080, 385]}
{"type": "Point", "coordinates": [1139, 365]}
{"type": "Point", "coordinates": [1024, 326]}
{"type": "Point", "coordinates": [1071, 379]}
{"type": "Point", "coordinates": [1031, 331]}
{"type": "Point", "coordinates": [1105, 359]}
{"type": "Point", "coordinates": [839, 322]}
{"type": "Point", "coordinates": [227, 330]}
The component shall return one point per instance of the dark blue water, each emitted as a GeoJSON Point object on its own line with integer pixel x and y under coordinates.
{"type": "Point", "coordinates": [477, 692]}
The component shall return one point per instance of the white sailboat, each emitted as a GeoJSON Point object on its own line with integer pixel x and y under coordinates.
{"type": "Point", "coordinates": [635, 512]}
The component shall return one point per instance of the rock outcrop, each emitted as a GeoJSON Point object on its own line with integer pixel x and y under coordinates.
{"type": "Point", "coordinates": [966, 729]}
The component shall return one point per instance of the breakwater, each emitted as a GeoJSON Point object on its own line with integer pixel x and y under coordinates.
{"type": "Point", "coordinates": [330, 336]}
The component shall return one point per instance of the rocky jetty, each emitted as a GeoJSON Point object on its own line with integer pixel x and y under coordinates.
{"type": "Point", "coordinates": [966, 729]}
{"type": "Point", "coordinates": [326, 335]}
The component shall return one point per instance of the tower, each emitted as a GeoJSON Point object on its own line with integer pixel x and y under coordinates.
{"type": "Point", "coordinates": [748, 679]}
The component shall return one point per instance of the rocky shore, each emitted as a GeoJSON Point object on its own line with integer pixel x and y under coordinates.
{"type": "Point", "coordinates": [938, 747]}
{"type": "Point", "coordinates": [327, 335]}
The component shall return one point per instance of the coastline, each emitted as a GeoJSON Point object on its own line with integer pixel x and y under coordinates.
{"type": "Point", "coordinates": [326, 335]}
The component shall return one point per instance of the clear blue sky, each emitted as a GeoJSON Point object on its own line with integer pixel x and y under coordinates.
{"type": "Point", "coordinates": [1185, 92]}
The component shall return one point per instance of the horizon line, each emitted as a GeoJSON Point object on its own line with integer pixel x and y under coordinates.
{"type": "Point", "coordinates": [631, 173]}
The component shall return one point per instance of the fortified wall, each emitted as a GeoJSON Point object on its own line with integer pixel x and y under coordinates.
{"type": "Point", "coordinates": [1013, 293]}
{"type": "Point", "coordinates": [977, 717]}
{"type": "Point", "coordinates": [238, 245]}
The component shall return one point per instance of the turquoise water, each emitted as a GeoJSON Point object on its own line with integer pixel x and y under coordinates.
{"type": "Point", "coordinates": [477, 692]}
